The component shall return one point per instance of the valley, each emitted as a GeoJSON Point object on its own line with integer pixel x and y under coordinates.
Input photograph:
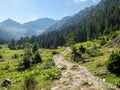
{"type": "Point", "coordinates": [73, 51]}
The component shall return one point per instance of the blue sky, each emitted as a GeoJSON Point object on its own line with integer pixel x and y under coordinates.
{"type": "Point", "coordinates": [27, 10]}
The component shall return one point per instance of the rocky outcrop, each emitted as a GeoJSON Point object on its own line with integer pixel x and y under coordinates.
{"type": "Point", "coordinates": [115, 42]}
{"type": "Point", "coordinates": [6, 83]}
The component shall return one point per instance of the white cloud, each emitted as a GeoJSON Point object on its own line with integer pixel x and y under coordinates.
{"type": "Point", "coordinates": [77, 1]}
{"type": "Point", "coordinates": [80, 1]}
{"type": "Point", "coordinates": [94, 0]}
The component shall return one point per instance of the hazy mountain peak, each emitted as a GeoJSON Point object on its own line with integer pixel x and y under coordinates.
{"type": "Point", "coordinates": [38, 25]}
{"type": "Point", "coordinates": [10, 23]}
{"type": "Point", "coordinates": [9, 20]}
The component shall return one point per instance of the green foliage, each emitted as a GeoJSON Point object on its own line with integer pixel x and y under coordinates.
{"type": "Point", "coordinates": [51, 74]}
{"type": "Point", "coordinates": [37, 58]}
{"type": "Point", "coordinates": [55, 52]}
{"type": "Point", "coordinates": [50, 40]}
{"type": "Point", "coordinates": [102, 42]}
{"type": "Point", "coordinates": [20, 44]}
{"type": "Point", "coordinates": [1, 55]}
{"type": "Point", "coordinates": [30, 58]}
{"type": "Point", "coordinates": [29, 83]}
{"type": "Point", "coordinates": [15, 56]}
{"type": "Point", "coordinates": [71, 40]}
{"type": "Point", "coordinates": [93, 52]}
{"type": "Point", "coordinates": [35, 48]}
{"type": "Point", "coordinates": [74, 50]}
{"type": "Point", "coordinates": [113, 35]}
{"type": "Point", "coordinates": [9, 68]}
{"type": "Point", "coordinates": [113, 63]}
{"type": "Point", "coordinates": [6, 67]}
{"type": "Point", "coordinates": [12, 44]}
{"type": "Point", "coordinates": [82, 49]}
{"type": "Point", "coordinates": [26, 42]}
{"type": "Point", "coordinates": [26, 62]}
{"type": "Point", "coordinates": [75, 54]}
{"type": "Point", "coordinates": [48, 64]}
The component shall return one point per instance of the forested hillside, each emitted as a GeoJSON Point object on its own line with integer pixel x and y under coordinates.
{"type": "Point", "coordinates": [97, 20]}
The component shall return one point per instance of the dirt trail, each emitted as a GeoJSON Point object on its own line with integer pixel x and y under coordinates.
{"type": "Point", "coordinates": [76, 77]}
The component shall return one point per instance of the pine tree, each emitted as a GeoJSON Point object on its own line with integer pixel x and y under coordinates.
{"type": "Point", "coordinates": [37, 57]}
{"type": "Point", "coordinates": [35, 48]}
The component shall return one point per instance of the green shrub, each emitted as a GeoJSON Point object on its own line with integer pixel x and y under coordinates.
{"type": "Point", "coordinates": [48, 64]}
{"type": "Point", "coordinates": [82, 49]}
{"type": "Point", "coordinates": [55, 52]}
{"type": "Point", "coordinates": [1, 55]}
{"type": "Point", "coordinates": [6, 67]}
{"type": "Point", "coordinates": [15, 56]}
{"type": "Point", "coordinates": [1, 47]}
{"type": "Point", "coordinates": [93, 52]}
{"type": "Point", "coordinates": [113, 63]}
{"type": "Point", "coordinates": [102, 42]}
{"type": "Point", "coordinates": [34, 48]}
{"type": "Point", "coordinates": [29, 83]}
{"type": "Point", "coordinates": [113, 35]}
{"type": "Point", "coordinates": [24, 64]}
{"type": "Point", "coordinates": [75, 54]}
{"type": "Point", "coordinates": [37, 58]}
{"type": "Point", "coordinates": [51, 74]}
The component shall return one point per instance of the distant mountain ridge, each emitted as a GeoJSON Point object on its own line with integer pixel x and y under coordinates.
{"type": "Point", "coordinates": [70, 20]}
{"type": "Point", "coordinates": [38, 26]}
{"type": "Point", "coordinates": [15, 30]}
{"type": "Point", "coordinates": [82, 15]}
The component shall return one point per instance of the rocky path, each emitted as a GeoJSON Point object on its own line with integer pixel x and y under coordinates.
{"type": "Point", "coordinates": [75, 77]}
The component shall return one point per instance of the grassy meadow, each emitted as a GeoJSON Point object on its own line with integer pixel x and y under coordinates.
{"type": "Point", "coordinates": [97, 53]}
{"type": "Point", "coordinates": [44, 73]}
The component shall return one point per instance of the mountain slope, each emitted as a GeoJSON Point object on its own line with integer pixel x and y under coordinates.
{"type": "Point", "coordinates": [88, 24]}
{"type": "Point", "coordinates": [38, 26]}
{"type": "Point", "coordinates": [84, 14]}
{"type": "Point", "coordinates": [10, 29]}
{"type": "Point", "coordinates": [4, 34]}
{"type": "Point", "coordinates": [70, 20]}
{"type": "Point", "coordinates": [10, 23]}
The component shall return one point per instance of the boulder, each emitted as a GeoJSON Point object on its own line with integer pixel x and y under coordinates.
{"type": "Point", "coordinates": [6, 83]}
{"type": "Point", "coordinates": [103, 72]}
{"type": "Point", "coordinates": [115, 42]}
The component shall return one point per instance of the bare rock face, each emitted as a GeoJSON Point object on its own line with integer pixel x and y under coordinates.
{"type": "Point", "coordinates": [115, 42]}
{"type": "Point", "coordinates": [6, 83]}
